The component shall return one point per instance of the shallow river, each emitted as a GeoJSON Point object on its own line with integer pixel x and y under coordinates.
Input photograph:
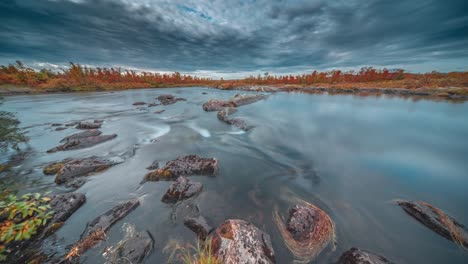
{"type": "Point", "coordinates": [351, 156]}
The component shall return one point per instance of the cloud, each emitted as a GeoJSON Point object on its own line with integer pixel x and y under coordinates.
{"type": "Point", "coordinates": [237, 36]}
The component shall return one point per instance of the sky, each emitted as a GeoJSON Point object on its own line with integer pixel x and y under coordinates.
{"type": "Point", "coordinates": [235, 38]}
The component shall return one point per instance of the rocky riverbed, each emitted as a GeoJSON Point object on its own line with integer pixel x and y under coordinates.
{"type": "Point", "coordinates": [265, 177]}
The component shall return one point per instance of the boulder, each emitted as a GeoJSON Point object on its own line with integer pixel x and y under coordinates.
{"type": "Point", "coordinates": [181, 189]}
{"type": "Point", "coordinates": [436, 220]}
{"type": "Point", "coordinates": [237, 100]}
{"type": "Point", "coordinates": [88, 125]}
{"type": "Point", "coordinates": [64, 205]}
{"type": "Point", "coordinates": [185, 165]}
{"type": "Point", "coordinates": [238, 241]}
{"type": "Point", "coordinates": [84, 134]}
{"type": "Point", "coordinates": [53, 168]}
{"type": "Point", "coordinates": [106, 220]}
{"type": "Point", "coordinates": [307, 232]}
{"type": "Point", "coordinates": [81, 167]}
{"type": "Point", "coordinates": [199, 226]}
{"type": "Point", "coordinates": [167, 99]}
{"type": "Point", "coordinates": [359, 256]}
{"type": "Point", "coordinates": [85, 142]}
{"type": "Point", "coordinates": [223, 115]}
{"type": "Point", "coordinates": [134, 248]}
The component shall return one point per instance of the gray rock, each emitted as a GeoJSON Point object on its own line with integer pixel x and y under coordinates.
{"type": "Point", "coordinates": [154, 165]}
{"type": "Point", "coordinates": [185, 165]}
{"type": "Point", "coordinates": [81, 167]}
{"type": "Point", "coordinates": [84, 134]}
{"type": "Point", "coordinates": [85, 142]}
{"type": "Point", "coordinates": [199, 226]}
{"type": "Point", "coordinates": [88, 125]}
{"type": "Point", "coordinates": [359, 256]}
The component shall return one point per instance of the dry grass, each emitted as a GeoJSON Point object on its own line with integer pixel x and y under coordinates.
{"type": "Point", "coordinates": [186, 253]}
{"type": "Point", "coordinates": [85, 244]}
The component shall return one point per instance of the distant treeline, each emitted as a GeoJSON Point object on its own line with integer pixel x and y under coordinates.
{"type": "Point", "coordinates": [78, 77]}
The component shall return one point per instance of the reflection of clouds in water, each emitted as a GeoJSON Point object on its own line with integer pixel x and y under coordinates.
{"type": "Point", "coordinates": [202, 131]}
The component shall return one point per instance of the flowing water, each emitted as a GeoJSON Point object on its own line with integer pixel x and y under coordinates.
{"type": "Point", "coordinates": [351, 156]}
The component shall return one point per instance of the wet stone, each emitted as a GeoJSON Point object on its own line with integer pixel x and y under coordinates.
{"type": "Point", "coordinates": [199, 226]}
{"type": "Point", "coordinates": [167, 99]}
{"type": "Point", "coordinates": [139, 103]}
{"type": "Point", "coordinates": [359, 256]}
{"type": "Point", "coordinates": [88, 125]}
{"type": "Point", "coordinates": [185, 165]}
{"type": "Point", "coordinates": [81, 167]}
{"type": "Point", "coordinates": [301, 221]}
{"type": "Point", "coordinates": [53, 168]}
{"type": "Point", "coordinates": [159, 111]}
{"type": "Point", "coordinates": [64, 205]}
{"type": "Point", "coordinates": [238, 241]}
{"type": "Point", "coordinates": [106, 220]}
{"type": "Point", "coordinates": [56, 124]}
{"type": "Point", "coordinates": [84, 134]}
{"type": "Point", "coordinates": [181, 189]}
{"type": "Point", "coordinates": [134, 248]}
{"type": "Point", "coordinates": [436, 220]}
{"type": "Point", "coordinates": [85, 142]}
{"type": "Point", "coordinates": [61, 128]}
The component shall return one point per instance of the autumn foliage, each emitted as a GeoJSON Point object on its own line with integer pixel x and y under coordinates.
{"type": "Point", "coordinates": [77, 77]}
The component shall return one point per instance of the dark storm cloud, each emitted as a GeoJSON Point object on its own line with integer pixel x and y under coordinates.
{"type": "Point", "coordinates": [237, 35]}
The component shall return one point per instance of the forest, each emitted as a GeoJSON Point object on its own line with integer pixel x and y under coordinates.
{"type": "Point", "coordinates": [81, 78]}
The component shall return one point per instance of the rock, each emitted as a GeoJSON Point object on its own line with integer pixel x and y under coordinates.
{"type": "Point", "coordinates": [154, 165]}
{"type": "Point", "coordinates": [204, 93]}
{"type": "Point", "coordinates": [53, 168]}
{"type": "Point", "coordinates": [216, 105]}
{"type": "Point", "coordinates": [64, 205]}
{"type": "Point", "coordinates": [81, 167]}
{"type": "Point", "coordinates": [88, 125]}
{"type": "Point", "coordinates": [106, 220]}
{"type": "Point", "coordinates": [84, 134]}
{"type": "Point", "coordinates": [181, 189]}
{"type": "Point", "coordinates": [167, 99]}
{"type": "Point", "coordinates": [223, 115]}
{"type": "Point", "coordinates": [436, 220]}
{"type": "Point", "coordinates": [308, 231]}
{"type": "Point", "coordinates": [238, 100]}
{"type": "Point", "coordinates": [237, 241]}
{"type": "Point", "coordinates": [199, 226]}
{"type": "Point", "coordinates": [82, 143]}
{"type": "Point", "coordinates": [61, 128]}
{"type": "Point", "coordinates": [185, 165]}
{"type": "Point", "coordinates": [359, 256]}
{"type": "Point", "coordinates": [134, 248]}
{"type": "Point", "coordinates": [159, 111]}
{"type": "Point", "coordinates": [72, 124]}
{"type": "Point", "coordinates": [153, 105]}
{"type": "Point", "coordinates": [98, 121]}
{"type": "Point", "coordinates": [139, 103]}
{"type": "Point", "coordinates": [56, 124]}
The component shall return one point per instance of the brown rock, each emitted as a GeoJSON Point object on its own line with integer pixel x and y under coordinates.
{"type": "Point", "coordinates": [88, 125]}
{"type": "Point", "coordinates": [167, 99]}
{"type": "Point", "coordinates": [185, 165]}
{"type": "Point", "coordinates": [237, 241]}
{"type": "Point", "coordinates": [199, 226]}
{"type": "Point", "coordinates": [53, 168]}
{"type": "Point", "coordinates": [216, 105]}
{"type": "Point", "coordinates": [436, 220]}
{"type": "Point", "coordinates": [223, 115]}
{"type": "Point", "coordinates": [181, 189]}
{"type": "Point", "coordinates": [82, 143]}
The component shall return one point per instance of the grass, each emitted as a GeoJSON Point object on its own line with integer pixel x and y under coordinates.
{"type": "Point", "coordinates": [186, 253]}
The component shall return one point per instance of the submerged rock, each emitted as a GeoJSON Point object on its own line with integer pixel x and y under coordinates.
{"type": "Point", "coordinates": [307, 232]}
{"type": "Point", "coordinates": [167, 99]}
{"type": "Point", "coordinates": [134, 248]}
{"type": "Point", "coordinates": [88, 125]}
{"type": "Point", "coordinates": [436, 220]}
{"type": "Point", "coordinates": [185, 165]}
{"type": "Point", "coordinates": [181, 189]}
{"type": "Point", "coordinates": [199, 226]}
{"type": "Point", "coordinates": [84, 134]}
{"type": "Point", "coordinates": [56, 124]}
{"type": "Point", "coordinates": [72, 124]}
{"type": "Point", "coordinates": [153, 105]}
{"type": "Point", "coordinates": [359, 256]}
{"type": "Point", "coordinates": [223, 115]}
{"type": "Point", "coordinates": [237, 241]}
{"type": "Point", "coordinates": [106, 220]}
{"type": "Point", "coordinates": [64, 205]}
{"type": "Point", "coordinates": [154, 165]}
{"type": "Point", "coordinates": [159, 111]}
{"type": "Point", "coordinates": [139, 103]}
{"type": "Point", "coordinates": [81, 167]}
{"type": "Point", "coordinates": [85, 142]}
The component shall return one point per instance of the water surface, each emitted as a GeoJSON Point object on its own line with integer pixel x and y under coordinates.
{"type": "Point", "coordinates": [351, 156]}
